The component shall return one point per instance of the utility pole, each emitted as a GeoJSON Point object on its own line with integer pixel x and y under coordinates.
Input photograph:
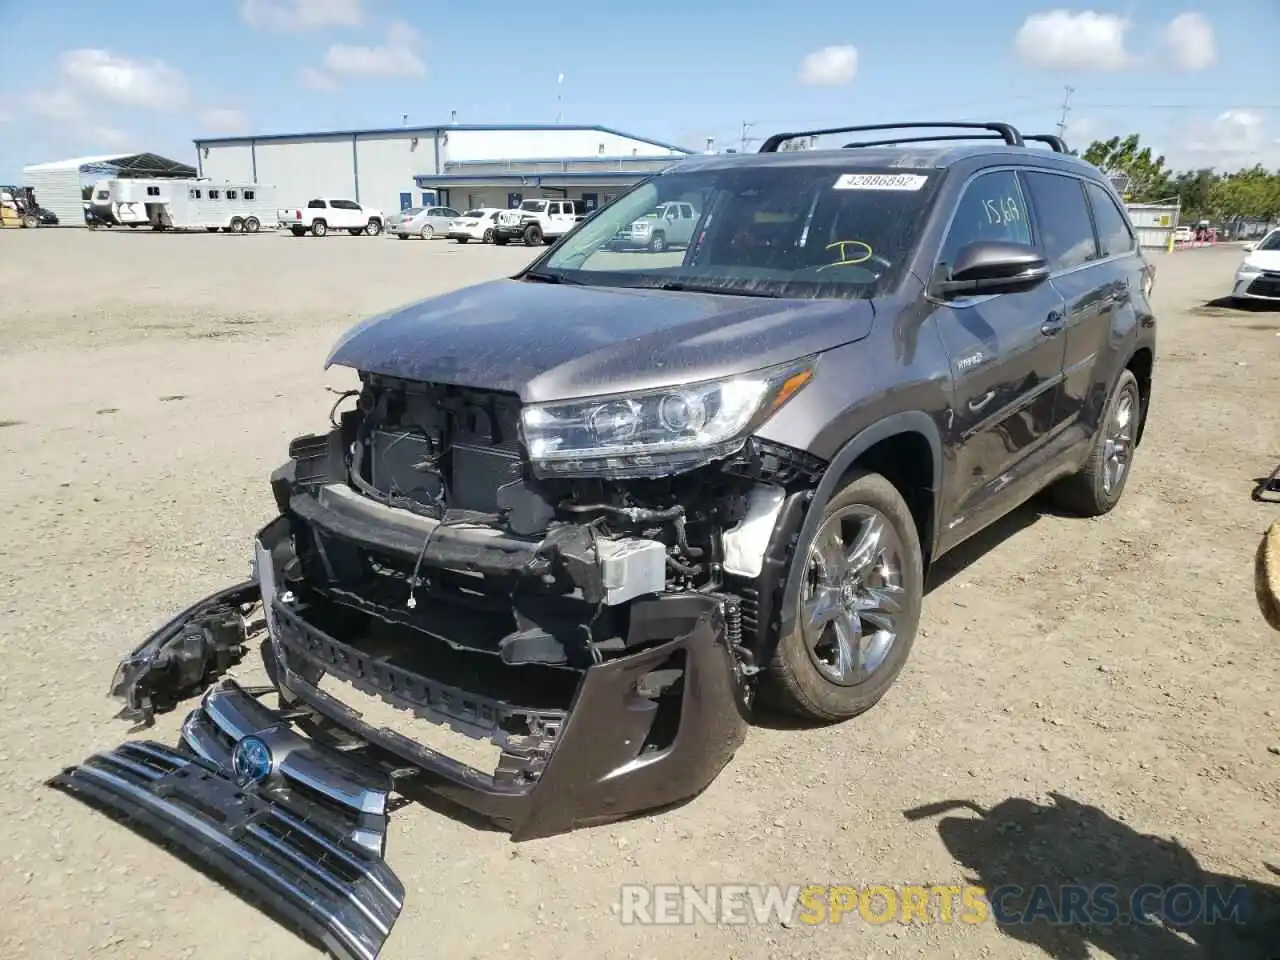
{"type": "Point", "coordinates": [1066, 108]}
{"type": "Point", "coordinates": [746, 125]}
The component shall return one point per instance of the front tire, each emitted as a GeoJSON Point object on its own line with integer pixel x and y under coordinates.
{"type": "Point", "coordinates": [533, 236]}
{"type": "Point", "coordinates": [1097, 488]}
{"type": "Point", "coordinates": [319, 228]}
{"type": "Point", "coordinates": [488, 236]}
{"type": "Point", "coordinates": [858, 607]}
{"type": "Point", "coordinates": [427, 232]}
{"type": "Point", "coordinates": [658, 243]}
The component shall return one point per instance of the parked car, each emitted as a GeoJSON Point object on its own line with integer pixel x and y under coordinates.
{"type": "Point", "coordinates": [324, 214]}
{"type": "Point", "coordinates": [477, 224]}
{"type": "Point", "coordinates": [536, 222]}
{"type": "Point", "coordinates": [596, 512]}
{"type": "Point", "coordinates": [1258, 277]}
{"type": "Point", "coordinates": [1183, 234]}
{"type": "Point", "coordinates": [399, 217]}
{"type": "Point", "coordinates": [427, 223]}
{"type": "Point", "coordinates": [668, 225]}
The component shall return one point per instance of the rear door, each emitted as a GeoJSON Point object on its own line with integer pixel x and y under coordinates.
{"type": "Point", "coordinates": [1065, 234]}
{"type": "Point", "coordinates": [1006, 354]}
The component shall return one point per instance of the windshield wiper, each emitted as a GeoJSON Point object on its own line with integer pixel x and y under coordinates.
{"type": "Point", "coordinates": [705, 288]}
{"type": "Point", "coordinates": [549, 278]}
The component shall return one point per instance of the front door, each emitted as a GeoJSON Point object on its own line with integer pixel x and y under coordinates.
{"type": "Point", "coordinates": [1006, 353]}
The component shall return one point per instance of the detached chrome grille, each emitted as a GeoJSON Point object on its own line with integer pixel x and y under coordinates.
{"type": "Point", "coordinates": [272, 840]}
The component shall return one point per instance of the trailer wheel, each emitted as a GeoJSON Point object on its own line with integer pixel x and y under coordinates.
{"type": "Point", "coordinates": [319, 228]}
{"type": "Point", "coordinates": [252, 225]}
{"type": "Point", "coordinates": [236, 225]}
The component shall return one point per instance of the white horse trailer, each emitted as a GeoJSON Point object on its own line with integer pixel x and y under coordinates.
{"type": "Point", "coordinates": [171, 204]}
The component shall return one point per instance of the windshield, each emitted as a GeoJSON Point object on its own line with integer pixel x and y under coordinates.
{"type": "Point", "coordinates": [802, 231]}
{"type": "Point", "coordinates": [1270, 242]}
{"type": "Point", "coordinates": [537, 206]}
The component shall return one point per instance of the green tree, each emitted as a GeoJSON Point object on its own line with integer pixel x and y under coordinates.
{"type": "Point", "coordinates": [1148, 175]}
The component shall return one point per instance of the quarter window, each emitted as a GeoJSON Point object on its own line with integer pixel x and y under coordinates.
{"type": "Point", "coordinates": [250, 194]}
{"type": "Point", "coordinates": [1062, 219]}
{"type": "Point", "coordinates": [1114, 234]}
{"type": "Point", "coordinates": [231, 194]}
{"type": "Point", "coordinates": [213, 194]}
{"type": "Point", "coordinates": [991, 209]}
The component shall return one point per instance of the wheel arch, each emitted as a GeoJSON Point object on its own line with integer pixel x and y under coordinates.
{"type": "Point", "coordinates": [1142, 363]}
{"type": "Point", "coordinates": [906, 448]}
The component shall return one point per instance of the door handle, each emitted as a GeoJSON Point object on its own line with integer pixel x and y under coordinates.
{"type": "Point", "coordinates": [977, 403]}
{"type": "Point", "coordinates": [1052, 325]}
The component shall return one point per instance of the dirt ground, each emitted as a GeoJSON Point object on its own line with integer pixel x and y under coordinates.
{"type": "Point", "coordinates": [1106, 691]}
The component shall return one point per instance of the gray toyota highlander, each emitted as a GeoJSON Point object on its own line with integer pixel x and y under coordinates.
{"type": "Point", "coordinates": [596, 513]}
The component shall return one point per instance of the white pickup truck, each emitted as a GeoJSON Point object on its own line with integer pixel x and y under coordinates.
{"type": "Point", "coordinates": [321, 215]}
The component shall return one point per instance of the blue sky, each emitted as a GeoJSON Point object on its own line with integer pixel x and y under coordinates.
{"type": "Point", "coordinates": [1200, 83]}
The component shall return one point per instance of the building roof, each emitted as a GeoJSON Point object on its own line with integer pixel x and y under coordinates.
{"type": "Point", "coordinates": [438, 127]}
{"type": "Point", "coordinates": [137, 164]}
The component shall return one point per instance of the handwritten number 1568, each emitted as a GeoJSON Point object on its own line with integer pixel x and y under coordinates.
{"type": "Point", "coordinates": [1002, 211]}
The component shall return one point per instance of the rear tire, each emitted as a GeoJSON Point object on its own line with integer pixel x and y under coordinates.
{"type": "Point", "coordinates": [298, 231]}
{"type": "Point", "coordinates": [1097, 488]}
{"type": "Point", "coordinates": [252, 225]}
{"type": "Point", "coordinates": [236, 225]}
{"type": "Point", "coordinates": [858, 608]}
{"type": "Point", "coordinates": [319, 228]}
{"type": "Point", "coordinates": [462, 239]}
{"type": "Point", "coordinates": [30, 221]}
{"type": "Point", "coordinates": [373, 227]}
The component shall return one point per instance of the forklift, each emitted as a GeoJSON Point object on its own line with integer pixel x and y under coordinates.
{"type": "Point", "coordinates": [18, 207]}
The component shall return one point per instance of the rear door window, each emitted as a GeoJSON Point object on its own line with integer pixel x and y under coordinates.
{"type": "Point", "coordinates": [1114, 235]}
{"type": "Point", "coordinates": [1062, 219]}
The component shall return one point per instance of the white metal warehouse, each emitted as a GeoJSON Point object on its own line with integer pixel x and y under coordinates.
{"type": "Point", "coordinates": [58, 185]}
{"type": "Point", "coordinates": [455, 164]}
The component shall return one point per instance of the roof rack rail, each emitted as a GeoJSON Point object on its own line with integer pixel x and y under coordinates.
{"type": "Point", "coordinates": [1007, 132]}
{"type": "Point", "coordinates": [1057, 143]}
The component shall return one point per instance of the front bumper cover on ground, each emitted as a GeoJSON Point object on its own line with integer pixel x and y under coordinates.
{"type": "Point", "coordinates": [306, 841]}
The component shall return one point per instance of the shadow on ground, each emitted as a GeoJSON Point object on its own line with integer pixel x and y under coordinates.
{"type": "Point", "coordinates": [1019, 845]}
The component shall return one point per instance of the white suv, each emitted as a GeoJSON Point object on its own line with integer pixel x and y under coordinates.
{"type": "Point", "coordinates": [538, 221]}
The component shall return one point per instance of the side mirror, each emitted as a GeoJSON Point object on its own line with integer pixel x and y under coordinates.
{"type": "Point", "coordinates": [994, 266]}
{"type": "Point", "coordinates": [1249, 247]}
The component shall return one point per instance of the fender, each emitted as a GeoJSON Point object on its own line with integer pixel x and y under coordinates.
{"type": "Point", "coordinates": [910, 421]}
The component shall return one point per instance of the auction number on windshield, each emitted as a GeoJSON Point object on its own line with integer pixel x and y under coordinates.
{"type": "Point", "coordinates": [1002, 211]}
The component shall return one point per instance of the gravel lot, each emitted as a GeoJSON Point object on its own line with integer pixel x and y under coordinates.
{"type": "Point", "coordinates": [1106, 690]}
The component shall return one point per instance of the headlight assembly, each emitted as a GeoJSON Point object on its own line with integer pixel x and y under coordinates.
{"type": "Point", "coordinates": [1248, 270]}
{"type": "Point", "coordinates": [657, 432]}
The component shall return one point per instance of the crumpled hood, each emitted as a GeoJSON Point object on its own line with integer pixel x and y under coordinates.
{"type": "Point", "coordinates": [558, 341]}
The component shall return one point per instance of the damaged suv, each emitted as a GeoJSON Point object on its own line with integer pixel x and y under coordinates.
{"type": "Point", "coordinates": [593, 511]}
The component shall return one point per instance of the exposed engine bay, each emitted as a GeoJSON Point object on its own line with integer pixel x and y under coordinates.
{"type": "Point", "coordinates": [480, 555]}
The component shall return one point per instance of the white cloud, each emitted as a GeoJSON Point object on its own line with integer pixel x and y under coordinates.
{"type": "Point", "coordinates": [398, 57]}
{"type": "Point", "coordinates": [315, 79]}
{"type": "Point", "coordinates": [136, 83]}
{"type": "Point", "coordinates": [830, 66]}
{"type": "Point", "coordinates": [1232, 140]}
{"type": "Point", "coordinates": [1189, 42]}
{"type": "Point", "coordinates": [59, 106]}
{"type": "Point", "coordinates": [298, 16]}
{"type": "Point", "coordinates": [1062, 40]}
{"type": "Point", "coordinates": [7, 116]}
{"type": "Point", "coordinates": [72, 123]}
{"type": "Point", "coordinates": [223, 120]}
